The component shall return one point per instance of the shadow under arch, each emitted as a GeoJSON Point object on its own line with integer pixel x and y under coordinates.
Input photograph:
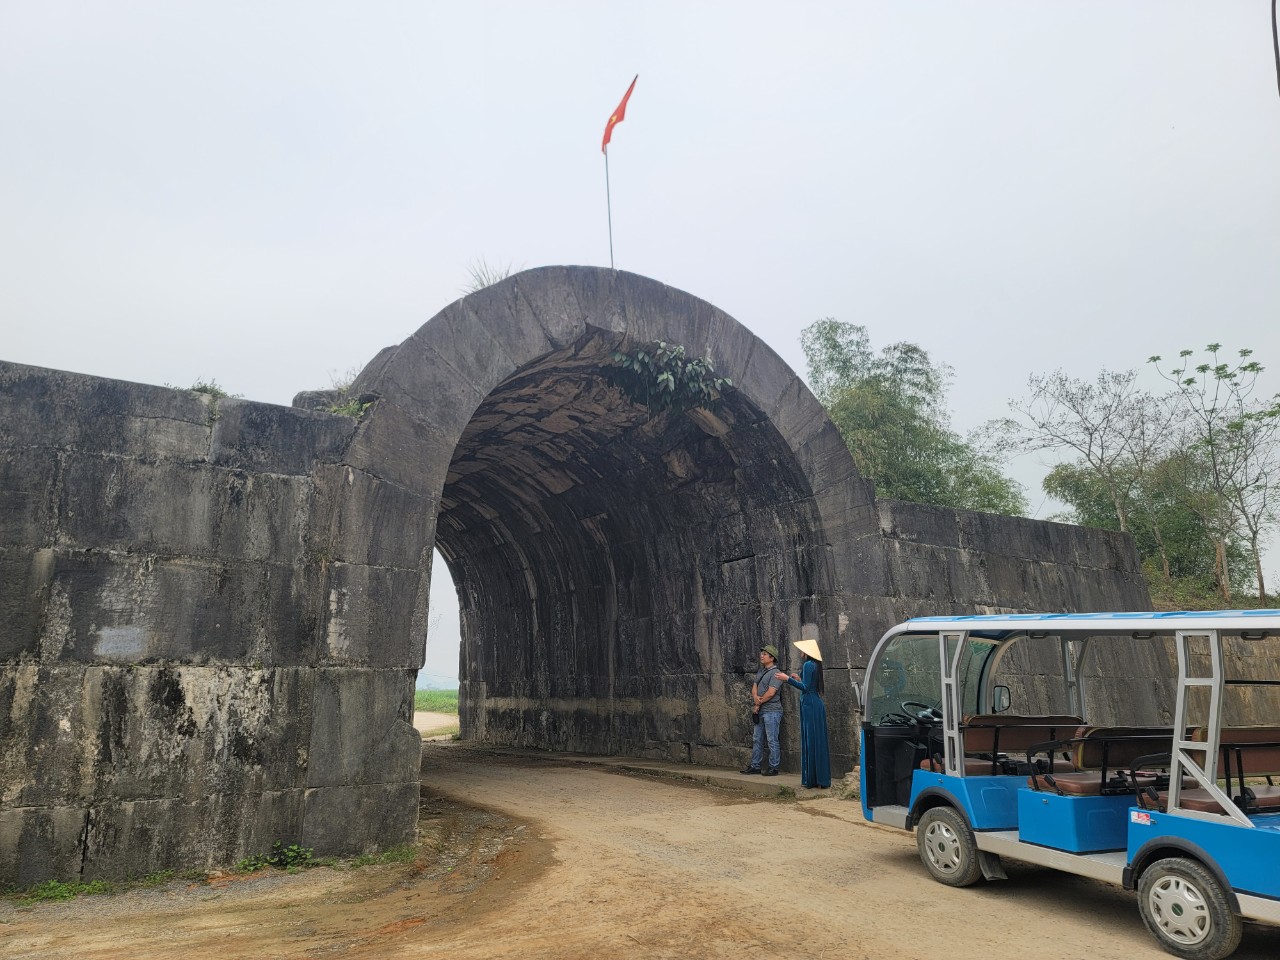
{"type": "Point", "coordinates": [616, 573]}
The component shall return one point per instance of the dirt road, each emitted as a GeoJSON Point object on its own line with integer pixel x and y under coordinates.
{"type": "Point", "coordinates": [560, 860]}
{"type": "Point", "coordinates": [427, 722]}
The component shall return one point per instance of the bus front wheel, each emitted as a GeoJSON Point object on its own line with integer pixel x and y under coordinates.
{"type": "Point", "coordinates": [1185, 908]}
{"type": "Point", "coordinates": [948, 848]}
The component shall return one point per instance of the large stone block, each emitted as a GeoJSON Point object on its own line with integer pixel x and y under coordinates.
{"type": "Point", "coordinates": [362, 732]}
{"type": "Point", "coordinates": [81, 735]}
{"type": "Point", "coordinates": [368, 617]}
{"type": "Point", "coordinates": [133, 838]}
{"type": "Point", "coordinates": [922, 523]}
{"type": "Point", "coordinates": [25, 575]}
{"type": "Point", "coordinates": [419, 377]}
{"type": "Point", "coordinates": [361, 518]}
{"type": "Point", "coordinates": [267, 438]}
{"type": "Point", "coordinates": [28, 481]}
{"type": "Point", "coordinates": [732, 346]}
{"type": "Point", "coordinates": [565, 302]}
{"type": "Point", "coordinates": [40, 843]}
{"type": "Point", "coordinates": [123, 608]}
{"type": "Point", "coordinates": [404, 448]}
{"type": "Point", "coordinates": [182, 509]}
{"type": "Point", "coordinates": [353, 820]}
{"type": "Point", "coordinates": [655, 312]}
{"type": "Point", "coordinates": [459, 337]}
{"type": "Point", "coordinates": [57, 410]}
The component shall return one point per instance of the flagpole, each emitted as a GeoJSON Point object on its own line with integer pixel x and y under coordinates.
{"type": "Point", "coordinates": [608, 201]}
{"type": "Point", "coordinates": [615, 118]}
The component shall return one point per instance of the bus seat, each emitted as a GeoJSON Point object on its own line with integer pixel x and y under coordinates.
{"type": "Point", "coordinates": [989, 736]}
{"type": "Point", "coordinates": [1120, 746]}
{"type": "Point", "coordinates": [1253, 751]}
{"type": "Point", "coordinates": [1014, 733]}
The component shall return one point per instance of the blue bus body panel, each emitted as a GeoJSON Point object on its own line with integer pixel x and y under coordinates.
{"type": "Point", "coordinates": [1247, 858]}
{"type": "Point", "coordinates": [990, 803]}
{"type": "Point", "coordinates": [1073, 824]}
{"type": "Point", "coordinates": [862, 775]}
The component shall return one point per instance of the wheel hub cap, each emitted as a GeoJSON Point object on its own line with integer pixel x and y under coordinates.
{"type": "Point", "coordinates": [943, 847]}
{"type": "Point", "coordinates": [1180, 911]}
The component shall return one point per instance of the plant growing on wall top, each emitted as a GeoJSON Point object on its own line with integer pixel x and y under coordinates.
{"type": "Point", "coordinates": [661, 377]}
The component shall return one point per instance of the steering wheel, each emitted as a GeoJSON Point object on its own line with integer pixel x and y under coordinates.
{"type": "Point", "coordinates": [921, 711]}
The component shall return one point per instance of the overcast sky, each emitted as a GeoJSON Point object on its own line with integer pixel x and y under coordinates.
{"type": "Point", "coordinates": [268, 193]}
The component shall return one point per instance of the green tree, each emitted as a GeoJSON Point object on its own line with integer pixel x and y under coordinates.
{"type": "Point", "coordinates": [1167, 533]}
{"type": "Point", "coordinates": [889, 407]}
{"type": "Point", "coordinates": [1113, 427]}
{"type": "Point", "coordinates": [1232, 434]}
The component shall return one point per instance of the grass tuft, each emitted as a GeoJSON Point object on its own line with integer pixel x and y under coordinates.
{"type": "Point", "coordinates": [55, 890]}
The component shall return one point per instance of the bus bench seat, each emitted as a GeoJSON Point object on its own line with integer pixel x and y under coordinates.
{"type": "Point", "coordinates": [1119, 746]}
{"type": "Point", "coordinates": [1253, 751]}
{"type": "Point", "coordinates": [993, 735]}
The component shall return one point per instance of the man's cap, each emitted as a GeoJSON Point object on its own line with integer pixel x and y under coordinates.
{"type": "Point", "coordinates": [771, 650]}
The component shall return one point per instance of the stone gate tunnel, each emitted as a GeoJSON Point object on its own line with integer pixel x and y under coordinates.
{"type": "Point", "coordinates": [212, 610]}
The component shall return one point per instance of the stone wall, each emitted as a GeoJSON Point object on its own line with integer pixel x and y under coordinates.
{"type": "Point", "coordinates": [186, 674]}
{"type": "Point", "coordinates": [211, 611]}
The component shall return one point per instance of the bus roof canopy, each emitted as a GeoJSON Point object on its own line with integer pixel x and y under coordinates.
{"type": "Point", "coordinates": [1001, 624]}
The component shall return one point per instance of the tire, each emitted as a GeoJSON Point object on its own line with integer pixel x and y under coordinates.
{"type": "Point", "coordinates": [947, 847]}
{"type": "Point", "coordinates": [1186, 909]}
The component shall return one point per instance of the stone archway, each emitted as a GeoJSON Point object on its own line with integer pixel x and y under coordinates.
{"type": "Point", "coordinates": [616, 573]}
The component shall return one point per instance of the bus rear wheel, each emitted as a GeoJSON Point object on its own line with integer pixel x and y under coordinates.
{"type": "Point", "coordinates": [947, 847]}
{"type": "Point", "coordinates": [1186, 909]}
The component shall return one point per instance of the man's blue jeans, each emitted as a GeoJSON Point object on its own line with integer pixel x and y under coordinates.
{"type": "Point", "coordinates": [769, 726]}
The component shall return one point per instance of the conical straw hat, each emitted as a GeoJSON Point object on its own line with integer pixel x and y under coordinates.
{"type": "Point", "coordinates": [808, 646]}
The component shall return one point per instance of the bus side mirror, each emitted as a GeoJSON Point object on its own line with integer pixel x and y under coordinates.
{"type": "Point", "coordinates": [1000, 699]}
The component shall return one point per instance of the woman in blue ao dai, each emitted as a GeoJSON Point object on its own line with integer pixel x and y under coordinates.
{"type": "Point", "coordinates": [815, 755]}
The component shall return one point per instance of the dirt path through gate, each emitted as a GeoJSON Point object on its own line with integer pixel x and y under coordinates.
{"type": "Point", "coordinates": [533, 857]}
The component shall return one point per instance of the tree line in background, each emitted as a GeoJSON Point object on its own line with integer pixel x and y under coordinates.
{"type": "Point", "coordinates": [1191, 472]}
{"type": "Point", "coordinates": [890, 407]}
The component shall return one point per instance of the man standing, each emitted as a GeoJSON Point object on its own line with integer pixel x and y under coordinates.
{"type": "Point", "coordinates": [767, 706]}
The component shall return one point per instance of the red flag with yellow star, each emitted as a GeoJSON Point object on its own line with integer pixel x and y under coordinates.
{"type": "Point", "coordinates": [617, 116]}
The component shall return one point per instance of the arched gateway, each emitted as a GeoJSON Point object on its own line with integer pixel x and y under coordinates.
{"type": "Point", "coordinates": [617, 573]}
{"type": "Point", "coordinates": [214, 609]}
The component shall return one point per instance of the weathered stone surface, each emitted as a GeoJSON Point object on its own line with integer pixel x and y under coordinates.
{"type": "Point", "coordinates": [362, 731]}
{"type": "Point", "coordinates": [318, 400]}
{"type": "Point", "coordinates": [189, 833]}
{"type": "Point", "coordinates": [24, 583]}
{"type": "Point", "coordinates": [51, 409]}
{"type": "Point", "coordinates": [181, 509]}
{"type": "Point", "coordinates": [269, 438]}
{"type": "Point", "coordinates": [129, 732]}
{"type": "Point", "coordinates": [28, 492]}
{"type": "Point", "coordinates": [40, 843]}
{"type": "Point", "coordinates": [394, 445]}
{"type": "Point", "coordinates": [354, 820]}
{"type": "Point", "coordinates": [211, 610]}
{"type": "Point", "coordinates": [365, 519]}
{"type": "Point", "coordinates": [125, 608]}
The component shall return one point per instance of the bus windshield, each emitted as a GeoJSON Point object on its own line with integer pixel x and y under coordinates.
{"type": "Point", "coordinates": [907, 671]}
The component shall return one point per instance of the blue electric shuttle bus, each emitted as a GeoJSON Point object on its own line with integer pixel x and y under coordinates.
{"type": "Point", "coordinates": [1187, 813]}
